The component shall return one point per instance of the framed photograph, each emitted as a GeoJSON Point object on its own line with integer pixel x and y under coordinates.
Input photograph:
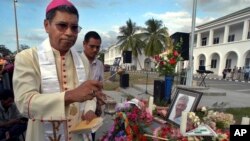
{"type": "Point", "coordinates": [184, 100]}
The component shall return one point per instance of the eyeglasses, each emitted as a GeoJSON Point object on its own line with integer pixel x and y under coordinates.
{"type": "Point", "coordinates": [64, 26]}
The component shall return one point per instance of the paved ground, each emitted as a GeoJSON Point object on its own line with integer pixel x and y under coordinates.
{"type": "Point", "coordinates": [211, 96]}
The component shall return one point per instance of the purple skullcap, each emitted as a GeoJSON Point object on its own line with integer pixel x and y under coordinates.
{"type": "Point", "coordinates": [55, 3]}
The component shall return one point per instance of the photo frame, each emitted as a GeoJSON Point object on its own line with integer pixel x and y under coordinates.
{"type": "Point", "coordinates": [184, 100]}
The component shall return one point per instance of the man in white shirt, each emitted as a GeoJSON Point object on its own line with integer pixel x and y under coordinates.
{"type": "Point", "coordinates": [181, 105]}
{"type": "Point", "coordinates": [91, 44]}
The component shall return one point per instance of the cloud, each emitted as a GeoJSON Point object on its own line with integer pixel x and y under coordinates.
{"type": "Point", "coordinates": [177, 21]}
{"type": "Point", "coordinates": [33, 1]}
{"type": "Point", "coordinates": [85, 4]}
{"type": "Point", "coordinates": [109, 38]}
{"type": "Point", "coordinates": [217, 8]}
{"type": "Point", "coordinates": [34, 37]}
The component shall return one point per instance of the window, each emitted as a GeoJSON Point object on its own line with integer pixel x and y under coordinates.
{"type": "Point", "coordinates": [228, 63]}
{"type": "Point", "coordinates": [204, 41]}
{"type": "Point", "coordinates": [202, 62]}
{"type": "Point", "coordinates": [231, 38]}
{"type": "Point", "coordinates": [213, 63]}
{"type": "Point", "coordinates": [216, 40]}
{"type": "Point", "coordinates": [248, 35]}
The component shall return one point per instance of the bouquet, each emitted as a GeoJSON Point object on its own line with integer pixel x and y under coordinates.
{"type": "Point", "coordinates": [166, 62]}
{"type": "Point", "coordinates": [218, 121]}
{"type": "Point", "coordinates": [131, 121]}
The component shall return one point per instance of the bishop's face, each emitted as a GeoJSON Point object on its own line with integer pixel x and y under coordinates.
{"type": "Point", "coordinates": [62, 30]}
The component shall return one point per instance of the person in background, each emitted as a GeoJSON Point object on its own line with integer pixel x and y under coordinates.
{"type": "Point", "coordinates": [242, 74]}
{"type": "Point", "coordinates": [234, 73]}
{"type": "Point", "coordinates": [12, 123]}
{"type": "Point", "coordinates": [2, 64]}
{"type": "Point", "coordinates": [181, 105]}
{"type": "Point", "coordinates": [91, 45]}
{"type": "Point", "coordinates": [224, 73]}
{"type": "Point", "coordinates": [8, 73]}
{"type": "Point", "coordinates": [239, 74]}
{"type": "Point", "coordinates": [246, 73]}
{"type": "Point", "coordinates": [50, 81]}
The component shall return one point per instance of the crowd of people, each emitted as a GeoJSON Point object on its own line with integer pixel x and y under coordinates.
{"type": "Point", "coordinates": [237, 73]}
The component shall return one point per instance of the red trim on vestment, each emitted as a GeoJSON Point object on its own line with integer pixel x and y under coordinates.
{"type": "Point", "coordinates": [29, 106]}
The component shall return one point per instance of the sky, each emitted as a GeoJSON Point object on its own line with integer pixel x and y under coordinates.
{"type": "Point", "coordinates": [106, 16]}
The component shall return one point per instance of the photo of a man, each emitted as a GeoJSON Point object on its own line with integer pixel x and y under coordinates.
{"type": "Point", "coordinates": [183, 103]}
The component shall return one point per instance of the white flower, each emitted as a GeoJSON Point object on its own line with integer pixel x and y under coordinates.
{"type": "Point", "coordinates": [198, 123]}
{"type": "Point", "coordinates": [203, 109]}
{"type": "Point", "coordinates": [191, 115]}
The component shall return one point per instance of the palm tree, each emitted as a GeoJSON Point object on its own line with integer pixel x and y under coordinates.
{"type": "Point", "coordinates": [128, 40]}
{"type": "Point", "coordinates": [155, 36]}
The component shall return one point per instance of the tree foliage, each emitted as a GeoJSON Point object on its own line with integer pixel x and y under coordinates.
{"type": "Point", "coordinates": [4, 51]}
{"type": "Point", "coordinates": [155, 37]}
{"type": "Point", "coordinates": [128, 40]}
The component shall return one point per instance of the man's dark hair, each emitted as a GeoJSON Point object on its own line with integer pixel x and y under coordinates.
{"type": "Point", "coordinates": [5, 94]}
{"type": "Point", "coordinates": [92, 34]}
{"type": "Point", "coordinates": [64, 8]}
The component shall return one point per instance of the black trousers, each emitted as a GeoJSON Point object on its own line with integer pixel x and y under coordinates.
{"type": "Point", "coordinates": [15, 131]}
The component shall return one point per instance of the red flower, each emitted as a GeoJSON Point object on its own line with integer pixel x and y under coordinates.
{"type": "Point", "coordinates": [135, 129]}
{"type": "Point", "coordinates": [157, 58]}
{"type": "Point", "coordinates": [162, 63]}
{"type": "Point", "coordinates": [142, 138]}
{"type": "Point", "coordinates": [175, 53]}
{"type": "Point", "coordinates": [172, 61]}
{"type": "Point", "coordinates": [184, 139]}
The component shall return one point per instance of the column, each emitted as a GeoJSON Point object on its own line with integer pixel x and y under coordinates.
{"type": "Point", "coordinates": [211, 37]}
{"type": "Point", "coordinates": [226, 32]}
{"type": "Point", "coordinates": [245, 29]}
{"type": "Point", "coordinates": [198, 44]}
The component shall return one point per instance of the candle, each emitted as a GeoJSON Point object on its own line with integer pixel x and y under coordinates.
{"type": "Point", "coordinates": [245, 121]}
{"type": "Point", "coordinates": [183, 123]}
{"type": "Point", "coordinates": [150, 104]}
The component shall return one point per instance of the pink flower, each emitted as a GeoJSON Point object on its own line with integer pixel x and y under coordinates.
{"type": "Point", "coordinates": [175, 53]}
{"type": "Point", "coordinates": [157, 58]}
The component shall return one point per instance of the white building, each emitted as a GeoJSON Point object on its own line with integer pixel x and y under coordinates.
{"type": "Point", "coordinates": [223, 43]}
{"type": "Point", "coordinates": [139, 63]}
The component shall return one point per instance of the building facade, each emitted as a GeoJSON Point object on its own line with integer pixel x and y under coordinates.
{"type": "Point", "coordinates": [223, 43]}
{"type": "Point", "coordinates": [219, 44]}
{"type": "Point", "coordinates": [138, 63]}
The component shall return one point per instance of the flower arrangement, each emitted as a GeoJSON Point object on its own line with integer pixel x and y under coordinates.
{"type": "Point", "coordinates": [130, 123]}
{"type": "Point", "coordinates": [218, 121]}
{"type": "Point", "coordinates": [168, 132]}
{"type": "Point", "coordinates": [166, 62]}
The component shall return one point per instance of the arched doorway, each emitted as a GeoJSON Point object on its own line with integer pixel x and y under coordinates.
{"type": "Point", "coordinates": [231, 60]}
{"type": "Point", "coordinates": [215, 63]}
{"type": "Point", "coordinates": [147, 64]}
{"type": "Point", "coordinates": [202, 60]}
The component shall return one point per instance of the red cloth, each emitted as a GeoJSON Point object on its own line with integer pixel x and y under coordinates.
{"type": "Point", "coordinates": [8, 68]}
{"type": "Point", "coordinates": [56, 3]}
